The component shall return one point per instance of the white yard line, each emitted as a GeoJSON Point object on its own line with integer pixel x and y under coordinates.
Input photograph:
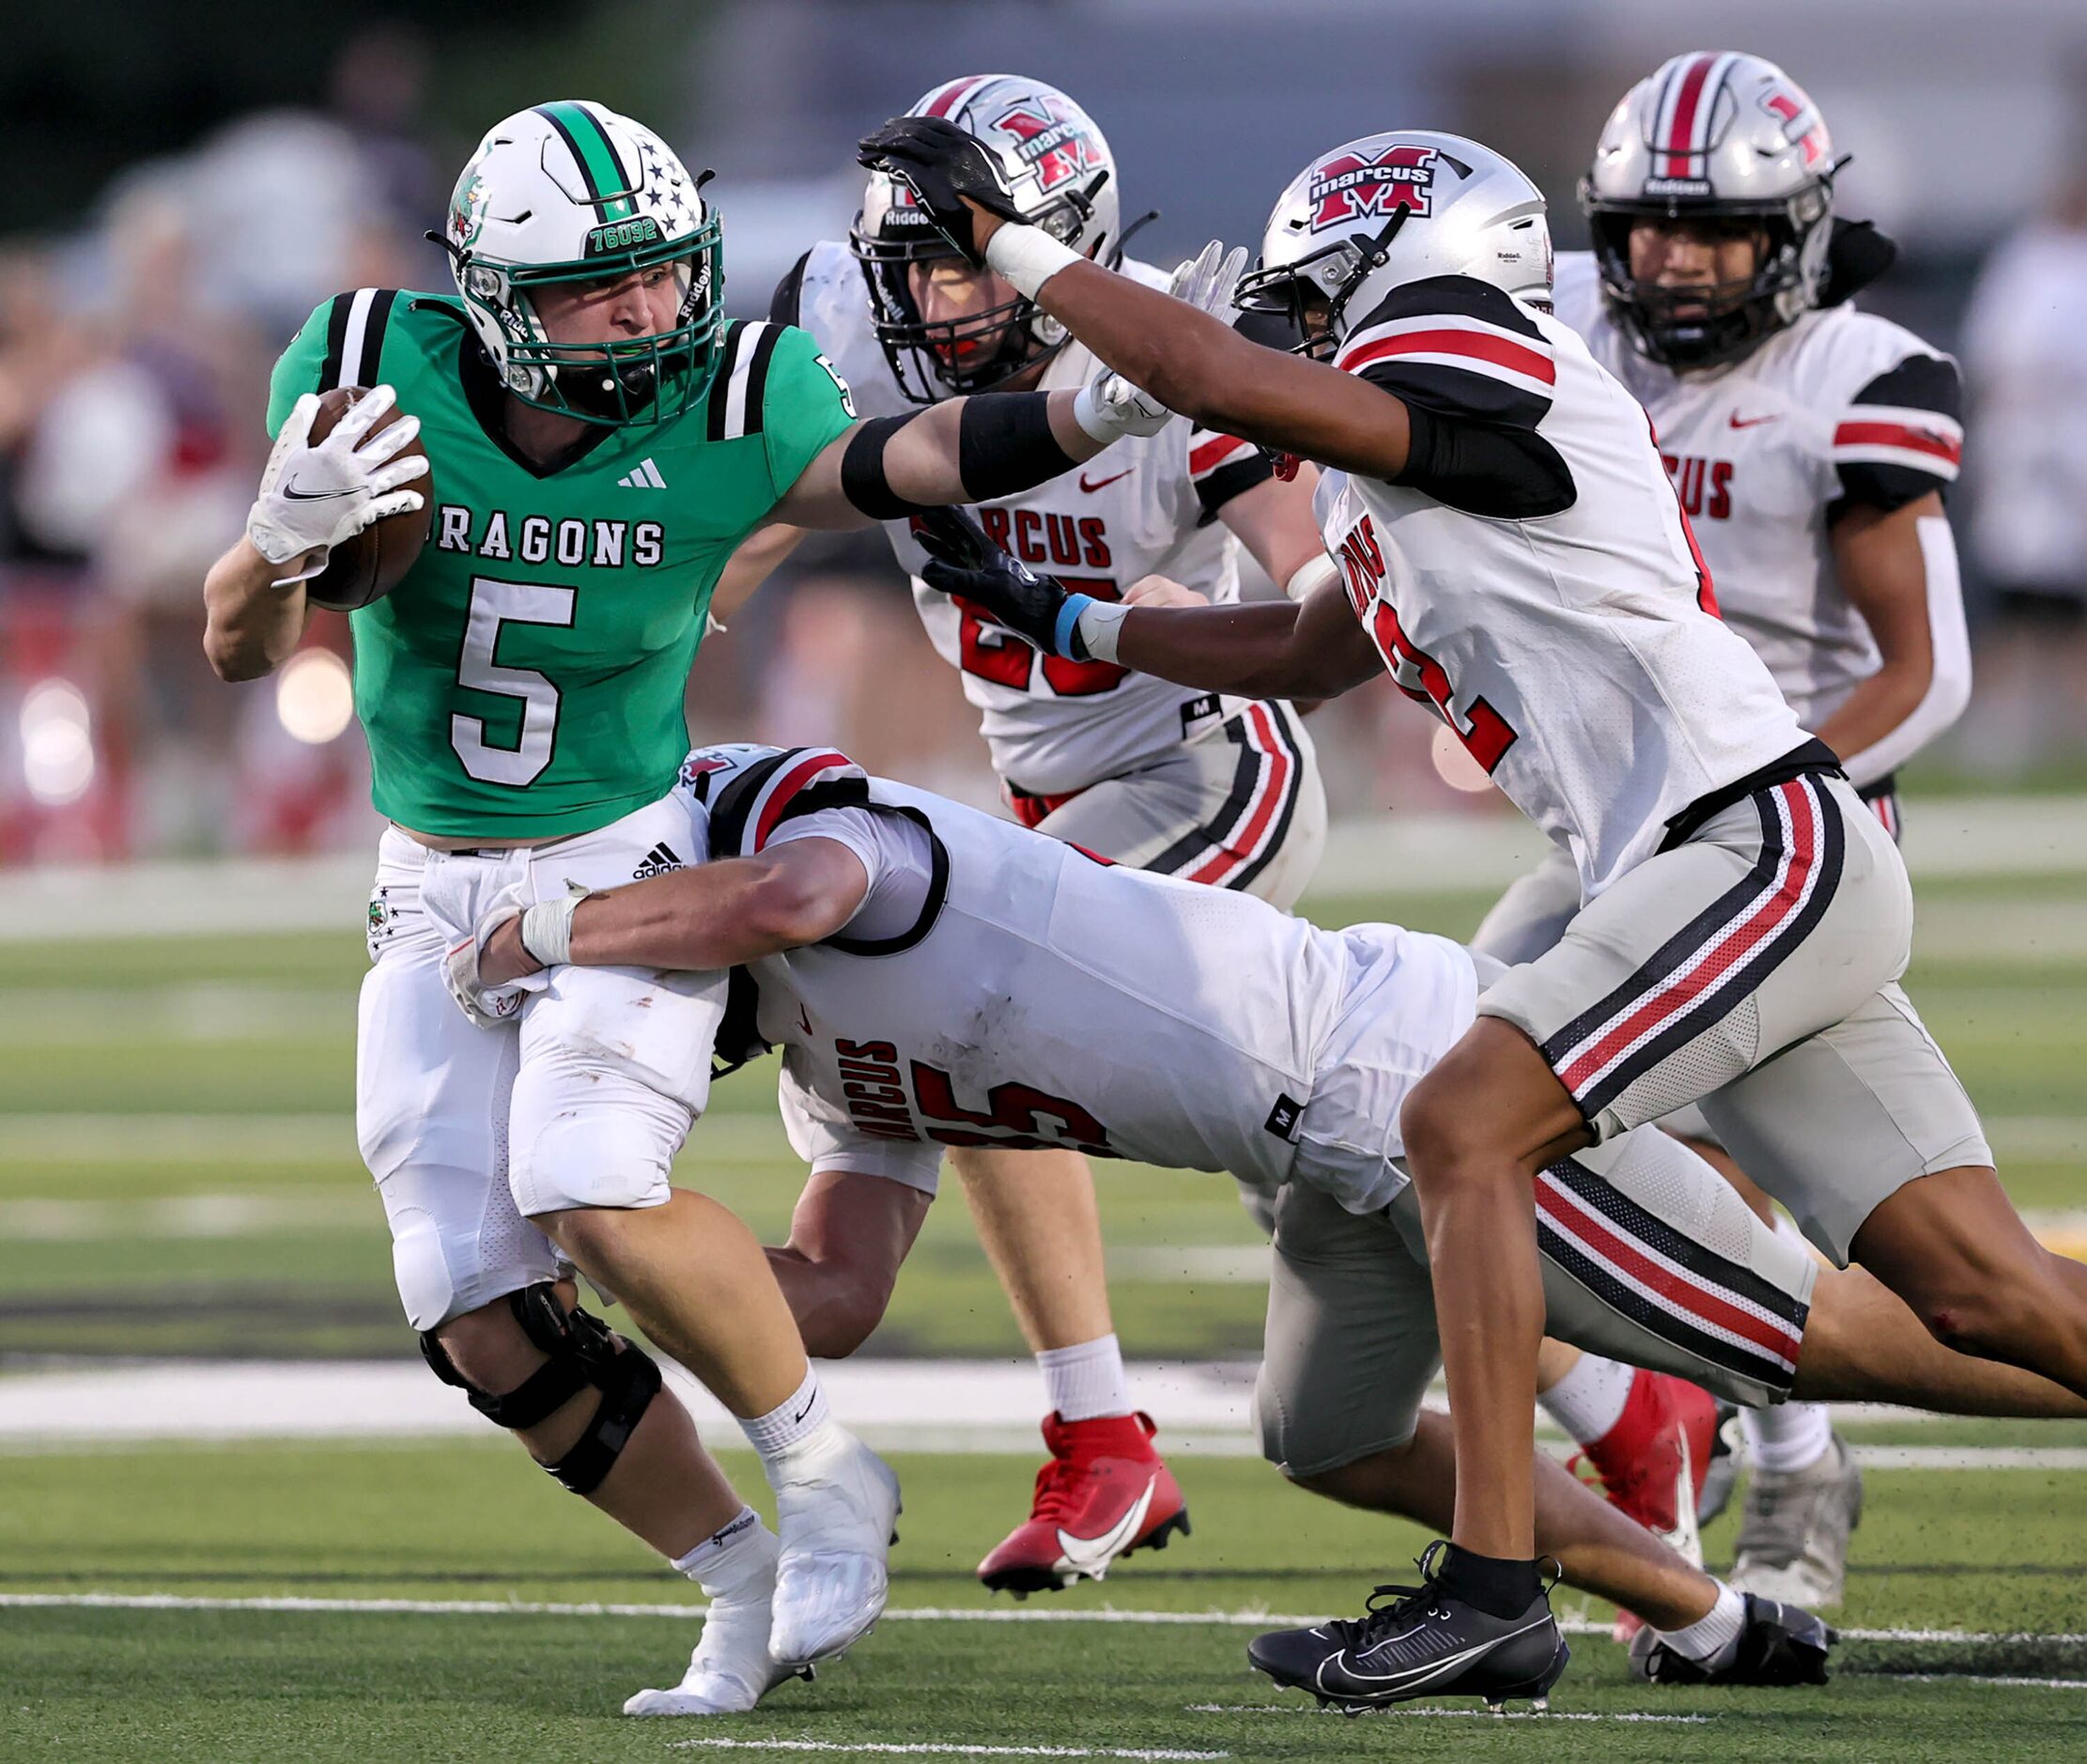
{"type": "Point", "coordinates": [909, 1613]}
{"type": "Point", "coordinates": [972, 1406]}
{"type": "Point", "coordinates": [1963, 1677]}
{"type": "Point", "coordinates": [929, 1748]}
{"type": "Point", "coordinates": [211, 1138]}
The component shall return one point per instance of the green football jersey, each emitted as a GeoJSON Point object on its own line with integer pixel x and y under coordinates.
{"type": "Point", "coordinates": [525, 679]}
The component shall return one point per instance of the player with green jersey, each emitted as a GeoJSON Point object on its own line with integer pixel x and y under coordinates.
{"type": "Point", "coordinates": [548, 628]}
{"type": "Point", "coordinates": [599, 442]}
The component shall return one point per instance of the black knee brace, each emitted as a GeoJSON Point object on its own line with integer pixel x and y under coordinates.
{"type": "Point", "coordinates": [582, 1350]}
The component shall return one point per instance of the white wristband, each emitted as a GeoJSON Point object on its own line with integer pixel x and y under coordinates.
{"type": "Point", "coordinates": [1026, 257]}
{"type": "Point", "coordinates": [547, 930]}
{"type": "Point", "coordinates": [1100, 625]}
{"type": "Point", "coordinates": [1309, 578]}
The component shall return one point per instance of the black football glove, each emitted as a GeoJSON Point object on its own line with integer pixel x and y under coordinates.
{"type": "Point", "coordinates": [965, 564]}
{"type": "Point", "coordinates": [941, 165]}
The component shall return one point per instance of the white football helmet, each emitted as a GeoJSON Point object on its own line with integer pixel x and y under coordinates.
{"type": "Point", "coordinates": [1728, 139]}
{"type": "Point", "coordinates": [571, 192]}
{"type": "Point", "coordinates": [1377, 213]}
{"type": "Point", "coordinates": [1062, 177]}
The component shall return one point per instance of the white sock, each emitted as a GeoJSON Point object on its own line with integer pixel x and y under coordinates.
{"type": "Point", "coordinates": [731, 1555]}
{"type": "Point", "coordinates": [1086, 1381]}
{"type": "Point", "coordinates": [799, 1424]}
{"type": "Point", "coordinates": [1790, 1436]}
{"type": "Point", "coordinates": [1589, 1399]}
{"type": "Point", "coordinates": [1709, 1641]}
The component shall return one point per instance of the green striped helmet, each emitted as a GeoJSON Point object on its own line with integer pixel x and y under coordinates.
{"type": "Point", "coordinates": [571, 192]}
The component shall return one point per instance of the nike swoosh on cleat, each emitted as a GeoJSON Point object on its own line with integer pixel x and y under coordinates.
{"type": "Point", "coordinates": [1422, 1674]}
{"type": "Point", "coordinates": [1092, 1555]}
{"type": "Point", "coordinates": [1105, 482]}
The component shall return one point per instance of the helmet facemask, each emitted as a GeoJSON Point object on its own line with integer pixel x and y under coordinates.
{"type": "Point", "coordinates": [952, 357]}
{"type": "Point", "coordinates": [616, 383]}
{"type": "Point", "coordinates": [1326, 278]}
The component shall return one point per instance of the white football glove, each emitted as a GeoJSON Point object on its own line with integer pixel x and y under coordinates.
{"type": "Point", "coordinates": [1108, 407]}
{"type": "Point", "coordinates": [314, 495]}
{"type": "Point", "coordinates": [488, 1006]}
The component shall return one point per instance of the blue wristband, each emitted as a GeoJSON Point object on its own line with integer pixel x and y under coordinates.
{"type": "Point", "coordinates": [1064, 633]}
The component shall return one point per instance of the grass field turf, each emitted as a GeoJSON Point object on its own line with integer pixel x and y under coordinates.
{"type": "Point", "coordinates": [177, 1175]}
{"type": "Point", "coordinates": [473, 1521]}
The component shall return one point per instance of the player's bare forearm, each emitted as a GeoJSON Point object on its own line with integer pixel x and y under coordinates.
{"type": "Point", "coordinates": [251, 627]}
{"type": "Point", "coordinates": [1197, 364]}
{"type": "Point", "coordinates": [1268, 649]}
{"type": "Point", "coordinates": [710, 916]}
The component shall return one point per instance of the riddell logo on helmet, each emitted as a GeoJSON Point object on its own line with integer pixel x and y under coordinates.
{"type": "Point", "coordinates": [1677, 187]}
{"type": "Point", "coordinates": [1056, 146]}
{"type": "Point", "coordinates": [1350, 186]}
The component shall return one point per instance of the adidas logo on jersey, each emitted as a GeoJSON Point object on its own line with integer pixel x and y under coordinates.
{"type": "Point", "coordinates": [646, 477]}
{"type": "Point", "coordinates": [658, 860]}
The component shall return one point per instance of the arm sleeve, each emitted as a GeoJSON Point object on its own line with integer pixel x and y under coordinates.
{"type": "Point", "coordinates": [1221, 467]}
{"type": "Point", "coordinates": [301, 367]}
{"type": "Point", "coordinates": [1900, 436]}
{"type": "Point", "coordinates": [806, 406]}
{"type": "Point", "coordinates": [1476, 373]}
{"type": "Point", "coordinates": [827, 1143]}
{"type": "Point", "coordinates": [1949, 684]}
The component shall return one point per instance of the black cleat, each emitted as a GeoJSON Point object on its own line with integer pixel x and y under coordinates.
{"type": "Point", "coordinates": [1420, 1642]}
{"type": "Point", "coordinates": [1780, 1645]}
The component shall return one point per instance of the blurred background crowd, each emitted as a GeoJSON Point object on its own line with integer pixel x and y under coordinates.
{"type": "Point", "coordinates": [154, 259]}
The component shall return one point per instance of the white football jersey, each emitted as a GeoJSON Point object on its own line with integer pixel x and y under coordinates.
{"type": "Point", "coordinates": [1557, 619]}
{"type": "Point", "coordinates": [1025, 994]}
{"type": "Point", "coordinates": [1840, 406]}
{"type": "Point", "coordinates": [1143, 506]}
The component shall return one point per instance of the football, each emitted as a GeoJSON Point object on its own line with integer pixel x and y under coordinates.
{"type": "Point", "coordinates": [368, 566]}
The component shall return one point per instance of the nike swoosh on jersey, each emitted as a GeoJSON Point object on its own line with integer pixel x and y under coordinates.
{"type": "Point", "coordinates": [1752, 422]}
{"type": "Point", "coordinates": [1105, 482]}
{"type": "Point", "coordinates": [1092, 1555]}
{"type": "Point", "coordinates": [296, 495]}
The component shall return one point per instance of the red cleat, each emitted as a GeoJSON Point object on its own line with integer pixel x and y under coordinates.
{"type": "Point", "coordinates": [1653, 1460]}
{"type": "Point", "coordinates": [1105, 1492]}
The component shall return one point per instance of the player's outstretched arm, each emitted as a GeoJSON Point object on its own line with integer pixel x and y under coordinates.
{"type": "Point", "coordinates": [710, 916]}
{"type": "Point", "coordinates": [964, 450]}
{"type": "Point", "coordinates": [1268, 649]}
{"type": "Point", "coordinates": [1183, 356]}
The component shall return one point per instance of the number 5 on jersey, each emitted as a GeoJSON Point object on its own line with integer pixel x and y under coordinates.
{"type": "Point", "coordinates": [494, 604]}
{"type": "Point", "coordinates": [1485, 734]}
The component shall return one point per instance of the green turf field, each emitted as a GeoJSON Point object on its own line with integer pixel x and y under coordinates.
{"type": "Point", "coordinates": [473, 1524]}
{"type": "Point", "coordinates": [177, 1176]}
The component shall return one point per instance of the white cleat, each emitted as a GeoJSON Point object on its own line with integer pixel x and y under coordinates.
{"type": "Point", "coordinates": [1794, 1534]}
{"type": "Point", "coordinates": [732, 1669]}
{"type": "Point", "coordinates": [834, 1515]}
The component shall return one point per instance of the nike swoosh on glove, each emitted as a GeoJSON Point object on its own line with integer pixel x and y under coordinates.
{"type": "Point", "coordinates": [963, 561]}
{"type": "Point", "coordinates": [315, 494]}
{"type": "Point", "coordinates": [942, 164]}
